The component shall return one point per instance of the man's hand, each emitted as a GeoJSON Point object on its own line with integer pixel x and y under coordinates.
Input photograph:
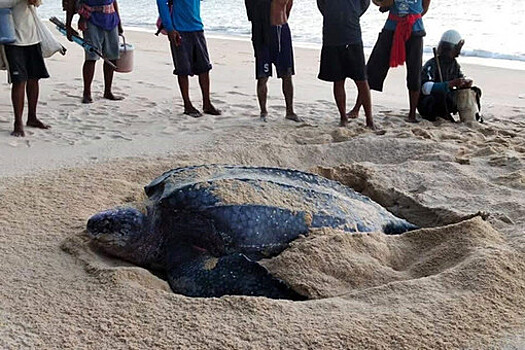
{"type": "Point", "coordinates": [460, 83]}
{"type": "Point", "coordinates": [175, 37]}
{"type": "Point", "coordinates": [120, 29]}
{"type": "Point", "coordinates": [33, 2]}
{"type": "Point", "coordinates": [468, 83]}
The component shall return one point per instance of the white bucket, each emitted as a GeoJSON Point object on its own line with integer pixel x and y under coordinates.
{"type": "Point", "coordinates": [125, 62]}
{"type": "Point", "coordinates": [467, 105]}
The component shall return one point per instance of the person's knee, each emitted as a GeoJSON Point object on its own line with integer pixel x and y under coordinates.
{"type": "Point", "coordinates": [362, 84]}
{"type": "Point", "coordinates": [339, 84]}
{"type": "Point", "coordinates": [262, 83]}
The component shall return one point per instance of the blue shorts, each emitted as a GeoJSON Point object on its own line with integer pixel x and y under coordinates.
{"type": "Point", "coordinates": [279, 53]}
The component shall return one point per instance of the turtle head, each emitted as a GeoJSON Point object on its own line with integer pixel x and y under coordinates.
{"type": "Point", "coordinates": [118, 231]}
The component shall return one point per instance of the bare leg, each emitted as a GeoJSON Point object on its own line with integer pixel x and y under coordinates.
{"type": "Point", "coordinates": [18, 100]}
{"type": "Point", "coordinates": [207, 107]}
{"type": "Point", "coordinates": [88, 72]}
{"type": "Point", "coordinates": [354, 113]}
{"type": "Point", "coordinates": [33, 90]}
{"type": "Point", "coordinates": [262, 96]}
{"type": "Point", "coordinates": [184, 85]}
{"type": "Point", "coordinates": [414, 98]}
{"type": "Point", "coordinates": [364, 98]}
{"type": "Point", "coordinates": [288, 98]}
{"type": "Point", "coordinates": [340, 100]}
{"type": "Point", "coordinates": [108, 82]}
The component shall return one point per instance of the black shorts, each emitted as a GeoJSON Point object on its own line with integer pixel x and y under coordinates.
{"type": "Point", "coordinates": [25, 63]}
{"type": "Point", "coordinates": [341, 62]}
{"type": "Point", "coordinates": [379, 61]}
{"type": "Point", "coordinates": [279, 53]}
{"type": "Point", "coordinates": [191, 57]}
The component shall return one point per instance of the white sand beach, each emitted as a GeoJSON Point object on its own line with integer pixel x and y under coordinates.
{"type": "Point", "coordinates": [458, 283]}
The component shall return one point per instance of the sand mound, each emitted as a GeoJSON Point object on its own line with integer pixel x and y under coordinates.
{"type": "Point", "coordinates": [107, 269]}
{"type": "Point", "coordinates": [329, 263]}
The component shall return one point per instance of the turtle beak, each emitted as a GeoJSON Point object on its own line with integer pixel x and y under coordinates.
{"type": "Point", "coordinates": [116, 224]}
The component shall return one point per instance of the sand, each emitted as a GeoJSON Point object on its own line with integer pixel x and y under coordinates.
{"type": "Point", "coordinates": [457, 283]}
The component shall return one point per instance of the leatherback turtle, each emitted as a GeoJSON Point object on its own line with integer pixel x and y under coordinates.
{"type": "Point", "coordinates": [207, 226]}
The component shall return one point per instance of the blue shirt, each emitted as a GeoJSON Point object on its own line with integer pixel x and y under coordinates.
{"type": "Point", "coordinates": [402, 8]}
{"type": "Point", "coordinates": [185, 17]}
{"type": "Point", "coordinates": [106, 21]}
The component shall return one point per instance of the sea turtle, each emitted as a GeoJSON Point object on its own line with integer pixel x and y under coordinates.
{"type": "Point", "coordinates": [207, 226]}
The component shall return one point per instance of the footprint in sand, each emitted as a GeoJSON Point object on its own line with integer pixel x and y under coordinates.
{"type": "Point", "coordinates": [278, 107]}
{"type": "Point", "coordinates": [237, 93]}
{"type": "Point", "coordinates": [422, 133]}
{"type": "Point", "coordinates": [514, 179]}
{"type": "Point", "coordinates": [504, 161]}
{"type": "Point", "coordinates": [116, 137]}
{"type": "Point", "coordinates": [243, 106]}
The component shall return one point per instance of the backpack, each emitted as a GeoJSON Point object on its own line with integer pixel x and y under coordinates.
{"type": "Point", "coordinates": [160, 26]}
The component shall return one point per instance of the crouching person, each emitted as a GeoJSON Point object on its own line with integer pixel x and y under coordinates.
{"type": "Point", "coordinates": [25, 64]}
{"type": "Point", "coordinates": [444, 84]}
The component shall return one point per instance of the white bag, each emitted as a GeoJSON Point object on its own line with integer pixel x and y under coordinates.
{"type": "Point", "coordinates": [50, 45]}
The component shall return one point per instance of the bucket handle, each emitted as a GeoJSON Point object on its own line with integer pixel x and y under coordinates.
{"type": "Point", "coordinates": [124, 41]}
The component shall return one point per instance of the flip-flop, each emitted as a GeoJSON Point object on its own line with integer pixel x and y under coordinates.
{"type": "Point", "coordinates": [194, 114]}
{"type": "Point", "coordinates": [413, 121]}
{"type": "Point", "coordinates": [213, 112]}
{"type": "Point", "coordinates": [87, 100]}
{"type": "Point", "coordinates": [294, 118]}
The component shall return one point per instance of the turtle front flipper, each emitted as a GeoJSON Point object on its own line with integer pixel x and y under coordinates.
{"type": "Point", "coordinates": [193, 272]}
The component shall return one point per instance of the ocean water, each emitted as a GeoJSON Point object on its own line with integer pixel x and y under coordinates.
{"type": "Point", "coordinates": [493, 29]}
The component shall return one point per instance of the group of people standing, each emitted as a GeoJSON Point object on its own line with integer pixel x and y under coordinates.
{"type": "Point", "coordinates": [342, 56]}
{"type": "Point", "coordinates": [342, 53]}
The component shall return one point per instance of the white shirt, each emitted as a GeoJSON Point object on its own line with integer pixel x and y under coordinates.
{"type": "Point", "coordinates": [25, 28]}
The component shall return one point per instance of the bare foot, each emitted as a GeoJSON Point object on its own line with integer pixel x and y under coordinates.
{"type": "Point", "coordinates": [35, 123]}
{"type": "Point", "coordinates": [111, 97]}
{"type": "Point", "coordinates": [87, 99]}
{"type": "Point", "coordinates": [413, 120]}
{"type": "Point", "coordinates": [263, 116]}
{"type": "Point", "coordinates": [293, 117]}
{"type": "Point", "coordinates": [211, 110]}
{"type": "Point", "coordinates": [371, 126]}
{"type": "Point", "coordinates": [343, 122]}
{"type": "Point", "coordinates": [18, 132]}
{"type": "Point", "coordinates": [353, 114]}
{"type": "Point", "coordinates": [192, 112]}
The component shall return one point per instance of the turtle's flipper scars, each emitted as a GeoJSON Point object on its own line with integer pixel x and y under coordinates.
{"type": "Point", "coordinates": [193, 272]}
